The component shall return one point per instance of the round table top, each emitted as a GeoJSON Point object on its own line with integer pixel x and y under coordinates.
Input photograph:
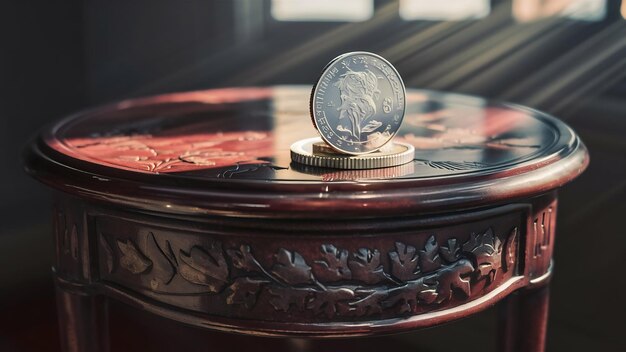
{"type": "Point", "coordinates": [226, 151]}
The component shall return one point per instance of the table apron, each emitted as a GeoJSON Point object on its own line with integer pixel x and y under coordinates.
{"type": "Point", "coordinates": [301, 277]}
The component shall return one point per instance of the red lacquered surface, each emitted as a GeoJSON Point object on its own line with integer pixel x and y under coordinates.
{"type": "Point", "coordinates": [186, 206]}
{"type": "Point", "coordinates": [232, 146]}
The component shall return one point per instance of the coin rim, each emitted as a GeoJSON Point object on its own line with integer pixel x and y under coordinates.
{"type": "Point", "coordinates": [315, 86]}
{"type": "Point", "coordinates": [349, 162]}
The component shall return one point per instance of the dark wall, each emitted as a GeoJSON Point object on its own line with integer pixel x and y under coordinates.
{"type": "Point", "coordinates": [59, 57]}
{"type": "Point", "coordinates": [42, 77]}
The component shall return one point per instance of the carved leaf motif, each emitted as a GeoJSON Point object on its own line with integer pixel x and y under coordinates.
{"type": "Point", "coordinates": [335, 264]}
{"type": "Point", "coordinates": [404, 262]}
{"type": "Point", "coordinates": [487, 250]}
{"type": "Point", "coordinates": [511, 249]}
{"type": "Point", "coordinates": [456, 165]}
{"type": "Point", "coordinates": [244, 291]}
{"type": "Point", "coordinates": [429, 256]}
{"type": "Point", "coordinates": [407, 297]}
{"type": "Point", "coordinates": [512, 143]}
{"type": "Point", "coordinates": [368, 305]}
{"type": "Point", "coordinates": [291, 268]}
{"type": "Point", "coordinates": [132, 259]}
{"type": "Point", "coordinates": [207, 268]}
{"type": "Point", "coordinates": [428, 294]}
{"type": "Point", "coordinates": [471, 243]}
{"type": "Point", "coordinates": [285, 298]}
{"type": "Point", "coordinates": [325, 302]}
{"type": "Point", "coordinates": [452, 252]}
{"type": "Point", "coordinates": [163, 269]}
{"type": "Point", "coordinates": [366, 266]}
{"type": "Point", "coordinates": [431, 275]}
{"type": "Point", "coordinates": [454, 278]}
{"type": "Point", "coordinates": [243, 259]}
{"type": "Point", "coordinates": [259, 168]}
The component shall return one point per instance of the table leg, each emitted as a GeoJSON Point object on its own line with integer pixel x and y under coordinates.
{"type": "Point", "coordinates": [83, 323]}
{"type": "Point", "coordinates": [523, 321]}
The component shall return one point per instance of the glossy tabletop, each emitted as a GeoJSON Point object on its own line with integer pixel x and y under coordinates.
{"type": "Point", "coordinates": [186, 150]}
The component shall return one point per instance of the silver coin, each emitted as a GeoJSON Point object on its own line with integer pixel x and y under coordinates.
{"type": "Point", "coordinates": [358, 103]}
{"type": "Point", "coordinates": [303, 152]}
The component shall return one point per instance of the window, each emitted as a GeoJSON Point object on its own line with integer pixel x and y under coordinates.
{"type": "Point", "coordinates": [450, 10]}
{"type": "Point", "coordinates": [322, 10]}
{"type": "Point", "coordinates": [586, 10]}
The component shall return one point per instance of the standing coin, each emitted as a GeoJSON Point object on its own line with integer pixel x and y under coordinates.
{"type": "Point", "coordinates": [358, 103]}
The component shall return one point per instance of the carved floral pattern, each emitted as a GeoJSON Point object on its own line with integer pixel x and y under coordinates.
{"type": "Point", "coordinates": [343, 284]}
{"type": "Point", "coordinates": [144, 147]}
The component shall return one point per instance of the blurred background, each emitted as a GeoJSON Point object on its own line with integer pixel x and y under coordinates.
{"type": "Point", "coordinates": [566, 57]}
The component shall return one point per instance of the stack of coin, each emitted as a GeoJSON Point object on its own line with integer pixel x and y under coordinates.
{"type": "Point", "coordinates": [357, 106]}
{"type": "Point", "coordinates": [310, 152]}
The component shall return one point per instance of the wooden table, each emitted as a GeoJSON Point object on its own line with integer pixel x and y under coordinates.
{"type": "Point", "coordinates": [188, 206]}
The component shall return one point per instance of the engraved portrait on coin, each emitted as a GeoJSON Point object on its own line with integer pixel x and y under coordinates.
{"type": "Point", "coordinates": [358, 103]}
